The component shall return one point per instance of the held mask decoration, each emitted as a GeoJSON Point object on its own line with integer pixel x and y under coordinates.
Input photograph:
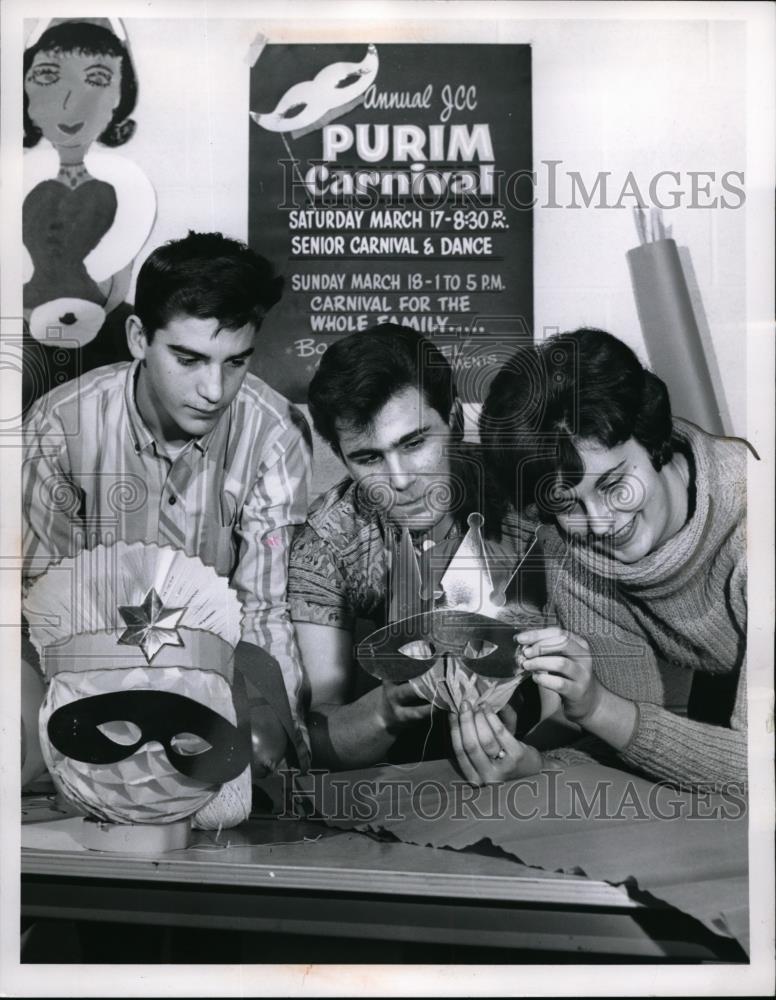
{"type": "Point", "coordinates": [404, 649]}
{"type": "Point", "coordinates": [143, 720]}
{"type": "Point", "coordinates": [462, 647]}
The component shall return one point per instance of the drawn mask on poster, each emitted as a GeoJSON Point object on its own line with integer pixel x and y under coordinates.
{"type": "Point", "coordinates": [311, 104]}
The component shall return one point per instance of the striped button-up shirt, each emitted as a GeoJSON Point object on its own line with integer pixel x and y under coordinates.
{"type": "Point", "coordinates": [93, 474]}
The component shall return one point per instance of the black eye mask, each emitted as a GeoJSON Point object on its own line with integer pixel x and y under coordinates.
{"type": "Point", "coordinates": [408, 648]}
{"type": "Point", "coordinates": [161, 716]}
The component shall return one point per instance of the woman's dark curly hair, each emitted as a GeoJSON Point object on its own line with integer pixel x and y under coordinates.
{"type": "Point", "coordinates": [585, 385]}
{"type": "Point", "coordinates": [94, 40]}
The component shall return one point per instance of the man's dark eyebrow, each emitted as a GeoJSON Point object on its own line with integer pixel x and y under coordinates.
{"type": "Point", "coordinates": [243, 354]}
{"type": "Point", "coordinates": [609, 472]}
{"type": "Point", "coordinates": [362, 452]}
{"type": "Point", "coordinates": [408, 437]}
{"type": "Point", "coordinates": [179, 349]}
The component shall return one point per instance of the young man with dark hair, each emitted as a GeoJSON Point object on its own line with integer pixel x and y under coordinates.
{"type": "Point", "coordinates": [183, 447]}
{"type": "Point", "coordinates": [385, 401]}
{"type": "Point", "coordinates": [646, 550]}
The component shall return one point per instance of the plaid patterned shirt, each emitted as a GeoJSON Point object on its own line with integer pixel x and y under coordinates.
{"type": "Point", "coordinates": [93, 474]}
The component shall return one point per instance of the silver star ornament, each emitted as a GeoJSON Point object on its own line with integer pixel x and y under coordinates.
{"type": "Point", "coordinates": [150, 625]}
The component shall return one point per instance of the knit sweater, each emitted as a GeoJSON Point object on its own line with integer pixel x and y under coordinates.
{"type": "Point", "coordinates": [681, 607]}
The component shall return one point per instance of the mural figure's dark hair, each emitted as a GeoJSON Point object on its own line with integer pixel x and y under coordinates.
{"type": "Point", "coordinates": [89, 39]}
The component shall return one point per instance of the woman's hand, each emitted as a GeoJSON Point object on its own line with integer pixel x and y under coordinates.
{"type": "Point", "coordinates": [561, 661]}
{"type": "Point", "coordinates": [486, 751]}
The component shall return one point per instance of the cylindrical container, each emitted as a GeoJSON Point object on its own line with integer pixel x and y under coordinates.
{"type": "Point", "coordinates": [671, 334]}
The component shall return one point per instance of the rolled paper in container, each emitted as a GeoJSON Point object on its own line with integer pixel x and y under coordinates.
{"type": "Point", "coordinates": [671, 333]}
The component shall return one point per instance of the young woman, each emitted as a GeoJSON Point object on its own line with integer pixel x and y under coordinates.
{"type": "Point", "coordinates": [644, 532]}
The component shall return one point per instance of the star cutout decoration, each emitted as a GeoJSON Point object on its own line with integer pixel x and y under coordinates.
{"type": "Point", "coordinates": [150, 625]}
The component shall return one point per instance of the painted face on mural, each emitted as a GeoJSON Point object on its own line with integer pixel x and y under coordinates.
{"type": "Point", "coordinates": [72, 96]}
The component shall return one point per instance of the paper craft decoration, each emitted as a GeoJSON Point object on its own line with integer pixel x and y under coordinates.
{"type": "Point", "coordinates": [462, 646]}
{"type": "Point", "coordinates": [670, 329]}
{"type": "Point", "coordinates": [311, 104]}
{"type": "Point", "coordinates": [86, 212]}
{"type": "Point", "coordinates": [78, 730]}
{"type": "Point", "coordinates": [143, 720]}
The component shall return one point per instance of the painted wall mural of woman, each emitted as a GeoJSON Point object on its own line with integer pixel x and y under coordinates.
{"type": "Point", "coordinates": [87, 211]}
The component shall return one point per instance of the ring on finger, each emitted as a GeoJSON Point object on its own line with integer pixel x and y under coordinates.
{"type": "Point", "coordinates": [500, 755]}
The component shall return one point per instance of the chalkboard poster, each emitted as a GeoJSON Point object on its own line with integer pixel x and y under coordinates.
{"type": "Point", "coordinates": [392, 183]}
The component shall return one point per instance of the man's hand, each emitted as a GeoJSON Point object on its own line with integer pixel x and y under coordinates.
{"type": "Point", "coordinates": [561, 661]}
{"type": "Point", "coordinates": [486, 751]}
{"type": "Point", "coordinates": [400, 706]}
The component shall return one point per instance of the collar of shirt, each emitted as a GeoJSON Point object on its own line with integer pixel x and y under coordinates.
{"type": "Point", "coordinates": [142, 436]}
{"type": "Point", "coordinates": [439, 532]}
{"type": "Point", "coordinates": [445, 528]}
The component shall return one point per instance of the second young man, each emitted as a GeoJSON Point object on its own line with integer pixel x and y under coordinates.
{"type": "Point", "coordinates": [385, 401]}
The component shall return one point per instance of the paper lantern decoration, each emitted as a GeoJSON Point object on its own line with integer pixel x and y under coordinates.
{"type": "Point", "coordinates": [142, 721]}
{"type": "Point", "coordinates": [459, 646]}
